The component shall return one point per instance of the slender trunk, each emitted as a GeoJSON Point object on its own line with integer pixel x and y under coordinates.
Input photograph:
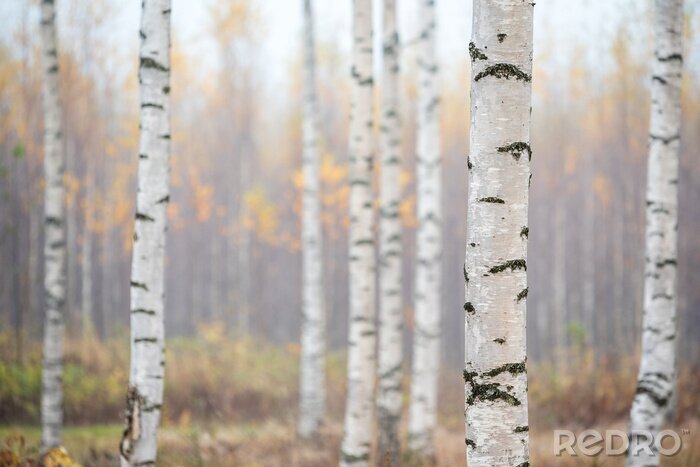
{"type": "Point", "coordinates": [560, 312]}
{"type": "Point", "coordinates": [496, 259]}
{"type": "Point", "coordinates": [589, 254]}
{"type": "Point", "coordinates": [312, 382]}
{"type": "Point", "coordinates": [145, 394]}
{"type": "Point", "coordinates": [361, 352]}
{"type": "Point", "coordinates": [71, 230]}
{"type": "Point", "coordinates": [243, 274]}
{"type": "Point", "coordinates": [54, 238]}
{"type": "Point", "coordinates": [657, 372]}
{"type": "Point", "coordinates": [390, 291]}
{"type": "Point", "coordinates": [105, 268]}
{"type": "Point", "coordinates": [426, 357]}
{"type": "Point", "coordinates": [215, 273]}
{"type": "Point", "coordinates": [18, 305]}
{"type": "Point", "coordinates": [618, 259]}
{"type": "Point", "coordinates": [230, 275]}
{"type": "Point", "coordinates": [244, 271]}
{"type": "Point", "coordinates": [34, 267]}
{"type": "Point", "coordinates": [545, 324]}
{"type": "Point", "coordinates": [86, 271]}
{"type": "Point", "coordinates": [631, 258]}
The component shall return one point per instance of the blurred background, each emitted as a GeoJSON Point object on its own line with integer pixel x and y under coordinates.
{"type": "Point", "coordinates": [233, 249]}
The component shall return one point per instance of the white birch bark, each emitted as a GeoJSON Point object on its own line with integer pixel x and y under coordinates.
{"type": "Point", "coordinates": [54, 237]}
{"type": "Point", "coordinates": [496, 251]}
{"type": "Point", "coordinates": [390, 356]}
{"type": "Point", "coordinates": [426, 340]}
{"type": "Point", "coordinates": [313, 334]}
{"type": "Point", "coordinates": [357, 436]}
{"type": "Point", "coordinates": [145, 395]}
{"type": "Point", "coordinates": [656, 380]}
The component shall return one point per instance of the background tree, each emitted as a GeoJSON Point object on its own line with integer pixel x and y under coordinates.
{"type": "Point", "coordinates": [496, 260]}
{"type": "Point", "coordinates": [86, 302]}
{"type": "Point", "coordinates": [145, 394]}
{"type": "Point", "coordinates": [235, 28]}
{"type": "Point", "coordinates": [54, 237]}
{"type": "Point", "coordinates": [657, 372]}
{"type": "Point", "coordinates": [428, 286]}
{"type": "Point", "coordinates": [312, 381]}
{"type": "Point", "coordinates": [389, 366]}
{"type": "Point", "coordinates": [357, 437]}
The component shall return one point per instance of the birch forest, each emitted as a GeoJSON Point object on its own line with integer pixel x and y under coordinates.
{"type": "Point", "coordinates": [387, 233]}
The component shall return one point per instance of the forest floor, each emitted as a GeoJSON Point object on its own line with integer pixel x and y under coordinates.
{"type": "Point", "coordinates": [273, 444]}
{"type": "Point", "coordinates": [233, 403]}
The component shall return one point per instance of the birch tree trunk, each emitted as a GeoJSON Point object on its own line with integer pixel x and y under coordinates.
{"type": "Point", "coordinates": [426, 357]}
{"type": "Point", "coordinates": [357, 437]}
{"type": "Point", "coordinates": [313, 335]}
{"type": "Point", "coordinates": [656, 380]}
{"type": "Point", "coordinates": [54, 237]}
{"type": "Point", "coordinates": [390, 306]}
{"type": "Point", "coordinates": [496, 251]}
{"type": "Point", "coordinates": [145, 394]}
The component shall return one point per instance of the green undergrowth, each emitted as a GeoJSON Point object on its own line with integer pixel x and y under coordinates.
{"type": "Point", "coordinates": [210, 377]}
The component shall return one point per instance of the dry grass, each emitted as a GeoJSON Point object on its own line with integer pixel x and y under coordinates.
{"type": "Point", "coordinates": [273, 444]}
{"type": "Point", "coordinates": [234, 403]}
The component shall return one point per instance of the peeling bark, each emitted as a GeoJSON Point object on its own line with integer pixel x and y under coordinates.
{"type": "Point", "coordinates": [145, 395]}
{"type": "Point", "coordinates": [657, 372]}
{"type": "Point", "coordinates": [496, 261]}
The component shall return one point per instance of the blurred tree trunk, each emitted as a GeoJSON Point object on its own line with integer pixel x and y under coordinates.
{"type": "Point", "coordinates": [215, 273]}
{"type": "Point", "coordinates": [361, 352]}
{"type": "Point", "coordinates": [17, 272]}
{"type": "Point", "coordinates": [54, 237]}
{"type": "Point", "coordinates": [428, 291]}
{"type": "Point", "coordinates": [559, 311]}
{"type": "Point", "coordinates": [34, 310]}
{"type": "Point", "coordinates": [618, 259]}
{"type": "Point", "coordinates": [86, 303]}
{"type": "Point", "coordinates": [588, 240]}
{"type": "Point", "coordinates": [244, 270]}
{"type": "Point", "coordinates": [106, 247]}
{"type": "Point", "coordinates": [71, 217]}
{"type": "Point", "coordinates": [496, 251]}
{"type": "Point", "coordinates": [390, 290]}
{"type": "Point", "coordinates": [145, 394]}
{"type": "Point", "coordinates": [245, 240]}
{"type": "Point", "coordinates": [312, 382]}
{"type": "Point", "coordinates": [657, 372]}
{"type": "Point", "coordinates": [86, 292]}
